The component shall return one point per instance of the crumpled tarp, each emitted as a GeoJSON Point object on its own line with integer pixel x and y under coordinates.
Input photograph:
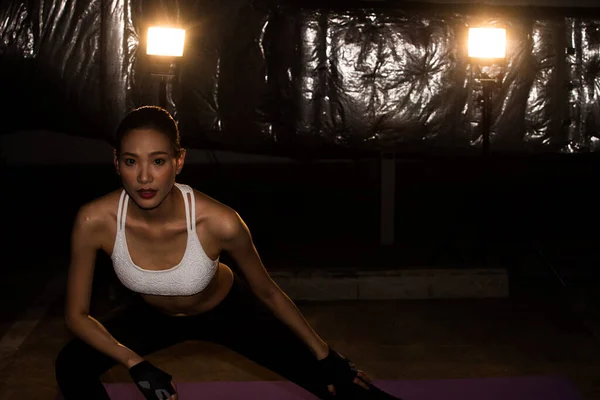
{"type": "Point", "coordinates": [258, 76]}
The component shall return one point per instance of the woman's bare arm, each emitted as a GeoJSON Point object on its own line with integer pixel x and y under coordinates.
{"type": "Point", "coordinates": [236, 239]}
{"type": "Point", "coordinates": [85, 242]}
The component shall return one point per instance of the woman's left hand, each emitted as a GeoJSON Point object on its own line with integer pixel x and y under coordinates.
{"type": "Point", "coordinates": [361, 380]}
{"type": "Point", "coordinates": [338, 370]}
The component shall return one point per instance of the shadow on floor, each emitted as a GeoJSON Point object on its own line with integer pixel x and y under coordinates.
{"type": "Point", "coordinates": [532, 333]}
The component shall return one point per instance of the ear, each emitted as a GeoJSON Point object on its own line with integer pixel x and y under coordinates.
{"type": "Point", "coordinates": [180, 161]}
{"type": "Point", "coordinates": [116, 162]}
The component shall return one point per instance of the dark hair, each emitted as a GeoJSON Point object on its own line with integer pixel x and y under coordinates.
{"type": "Point", "coordinates": [149, 117]}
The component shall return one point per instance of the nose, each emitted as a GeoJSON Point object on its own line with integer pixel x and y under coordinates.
{"type": "Point", "coordinates": [145, 175]}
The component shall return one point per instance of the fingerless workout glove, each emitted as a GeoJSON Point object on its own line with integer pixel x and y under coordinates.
{"type": "Point", "coordinates": [337, 369]}
{"type": "Point", "coordinates": [151, 381]}
{"type": "Point", "coordinates": [340, 372]}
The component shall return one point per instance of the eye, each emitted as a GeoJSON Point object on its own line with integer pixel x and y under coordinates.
{"type": "Point", "coordinates": [129, 161]}
{"type": "Point", "coordinates": [159, 161]}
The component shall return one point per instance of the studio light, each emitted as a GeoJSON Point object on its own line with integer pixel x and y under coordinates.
{"type": "Point", "coordinates": [487, 43]}
{"type": "Point", "coordinates": [167, 42]}
{"type": "Point", "coordinates": [164, 47]}
{"type": "Point", "coordinates": [486, 46]}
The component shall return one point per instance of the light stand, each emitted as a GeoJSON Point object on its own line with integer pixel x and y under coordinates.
{"type": "Point", "coordinates": [164, 71]}
{"type": "Point", "coordinates": [162, 92]}
{"type": "Point", "coordinates": [486, 46]}
{"type": "Point", "coordinates": [485, 196]}
{"type": "Point", "coordinates": [164, 48]}
{"type": "Point", "coordinates": [486, 115]}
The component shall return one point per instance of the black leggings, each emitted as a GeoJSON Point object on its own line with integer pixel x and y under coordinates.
{"type": "Point", "coordinates": [240, 322]}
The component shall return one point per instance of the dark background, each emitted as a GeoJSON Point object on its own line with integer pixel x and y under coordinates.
{"type": "Point", "coordinates": [261, 78]}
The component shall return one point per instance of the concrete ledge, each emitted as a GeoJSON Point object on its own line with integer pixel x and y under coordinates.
{"type": "Point", "coordinates": [393, 284]}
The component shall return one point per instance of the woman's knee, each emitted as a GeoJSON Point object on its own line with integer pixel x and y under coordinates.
{"type": "Point", "coordinates": [78, 367]}
{"type": "Point", "coordinates": [68, 362]}
{"type": "Point", "coordinates": [64, 357]}
{"type": "Point", "coordinates": [77, 359]}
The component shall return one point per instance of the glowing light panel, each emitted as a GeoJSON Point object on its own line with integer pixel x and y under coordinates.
{"type": "Point", "coordinates": [487, 43]}
{"type": "Point", "coordinates": [165, 41]}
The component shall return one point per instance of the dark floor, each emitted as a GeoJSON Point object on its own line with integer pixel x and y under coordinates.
{"type": "Point", "coordinates": [532, 333]}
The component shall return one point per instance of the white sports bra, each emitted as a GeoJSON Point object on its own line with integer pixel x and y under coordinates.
{"type": "Point", "coordinates": [190, 276]}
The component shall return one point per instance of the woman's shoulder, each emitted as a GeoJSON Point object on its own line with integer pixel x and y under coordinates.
{"type": "Point", "coordinates": [207, 206]}
{"type": "Point", "coordinates": [100, 210]}
{"type": "Point", "coordinates": [219, 217]}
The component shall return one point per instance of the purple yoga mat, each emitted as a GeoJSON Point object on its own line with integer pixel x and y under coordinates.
{"type": "Point", "coordinates": [517, 388]}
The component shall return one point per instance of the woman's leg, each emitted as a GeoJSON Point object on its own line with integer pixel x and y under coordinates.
{"type": "Point", "coordinates": [78, 366]}
{"type": "Point", "coordinates": [243, 324]}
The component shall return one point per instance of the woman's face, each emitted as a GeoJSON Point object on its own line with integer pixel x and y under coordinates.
{"type": "Point", "coordinates": [147, 166]}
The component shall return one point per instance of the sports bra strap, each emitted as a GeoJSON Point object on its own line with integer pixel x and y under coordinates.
{"type": "Point", "coordinates": [190, 217]}
{"type": "Point", "coordinates": [124, 216]}
{"type": "Point", "coordinates": [121, 212]}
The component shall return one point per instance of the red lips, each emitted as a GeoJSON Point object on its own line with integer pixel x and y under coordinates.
{"type": "Point", "coordinates": [147, 193]}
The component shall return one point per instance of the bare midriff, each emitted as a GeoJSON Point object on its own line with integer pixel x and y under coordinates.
{"type": "Point", "coordinates": [210, 297]}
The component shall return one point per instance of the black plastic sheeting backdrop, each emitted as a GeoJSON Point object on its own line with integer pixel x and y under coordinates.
{"type": "Point", "coordinates": [257, 76]}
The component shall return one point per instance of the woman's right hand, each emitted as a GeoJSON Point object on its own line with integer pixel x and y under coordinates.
{"type": "Point", "coordinates": [154, 383]}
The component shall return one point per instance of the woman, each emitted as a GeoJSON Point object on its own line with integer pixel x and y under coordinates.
{"type": "Point", "coordinates": [165, 240]}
